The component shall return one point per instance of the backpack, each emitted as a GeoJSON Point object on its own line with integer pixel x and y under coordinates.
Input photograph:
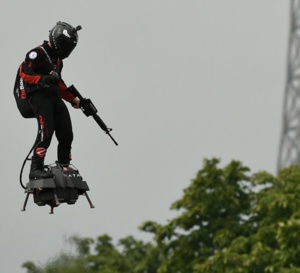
{"type": "Point", "coordinates": [21, 93]}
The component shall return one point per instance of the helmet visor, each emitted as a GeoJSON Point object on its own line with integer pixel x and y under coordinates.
{"type": "Point", "coordinates": [66, 46]}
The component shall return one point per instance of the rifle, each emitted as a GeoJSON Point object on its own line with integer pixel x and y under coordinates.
{"type": "Point", "coordinates": [89, 109]}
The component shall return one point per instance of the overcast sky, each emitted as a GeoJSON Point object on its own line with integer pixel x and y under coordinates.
{"type": "Point", "coordinates": [178, 81]}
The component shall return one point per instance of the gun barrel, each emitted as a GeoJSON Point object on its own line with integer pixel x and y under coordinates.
{"type": "Point", "coordinates": [100, 122]}
{"type": "Point", "coordinates": [112, 139]}
{"type": "Point", "coordinates": [104, 127]}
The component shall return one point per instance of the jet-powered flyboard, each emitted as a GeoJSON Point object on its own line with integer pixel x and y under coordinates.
{"type": "Point", "coordinates": [67, 184]}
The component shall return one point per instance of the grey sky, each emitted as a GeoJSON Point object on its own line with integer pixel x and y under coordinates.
{"type": "Point", "coordinates": [178, 81]}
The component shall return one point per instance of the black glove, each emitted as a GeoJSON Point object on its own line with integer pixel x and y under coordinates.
{"type": "Point", "coordinates": [47, 80]}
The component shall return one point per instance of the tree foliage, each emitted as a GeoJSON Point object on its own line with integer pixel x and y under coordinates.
{"type": "Point", "coordinates": [228, 221]}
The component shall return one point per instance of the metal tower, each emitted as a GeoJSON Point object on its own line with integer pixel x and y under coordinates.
{"type": "Point", "coordinates": [289, 149]}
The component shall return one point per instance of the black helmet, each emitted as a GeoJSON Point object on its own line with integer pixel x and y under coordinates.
{"type": "Point", "coordinates": [63, 39]}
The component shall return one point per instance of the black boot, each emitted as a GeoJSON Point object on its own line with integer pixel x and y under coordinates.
{"type": "Point", "coordinates": [37, 169]}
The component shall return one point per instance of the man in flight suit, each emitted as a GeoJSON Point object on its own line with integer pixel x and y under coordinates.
{"type": "Point", "coordinates": [41, 72]}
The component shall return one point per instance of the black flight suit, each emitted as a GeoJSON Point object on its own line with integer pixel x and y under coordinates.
{"type": "Point", "coordinates": [51, 111]}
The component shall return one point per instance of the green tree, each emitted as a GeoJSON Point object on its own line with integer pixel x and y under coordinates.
{"type": "Point", "coordinates": [128, 256]}
{"type": "Point", "coordinates": [274, 244]}
{"type": "Point", "coordinates": [213, 211]}
{"type": "Point", "coordinates": [229, 221]}
{"type": "Point", "coordinates": [141, 257]}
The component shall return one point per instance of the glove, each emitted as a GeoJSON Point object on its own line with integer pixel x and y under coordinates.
{"type": "Point", "coordinates": [47, 80]}
{"type": "Point", "coordinates": [54, 74]}
{"type": "Point", "coordinates": [76, 103]}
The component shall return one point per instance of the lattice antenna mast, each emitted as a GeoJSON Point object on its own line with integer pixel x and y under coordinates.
{"type": "Point", "coordinates": [289, 149]}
